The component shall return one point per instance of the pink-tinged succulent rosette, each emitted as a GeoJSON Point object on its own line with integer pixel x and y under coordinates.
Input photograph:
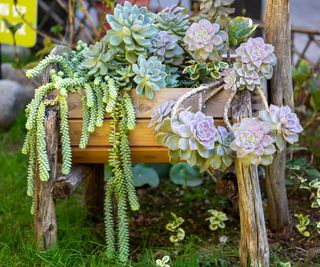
{"type": "Point", "coordinates": [284, 122]}
{"type": "Point", "coordinates": [254, 61]}
{"type": "Point", "coordinates": [257, 55]}
{"type": "Point", "coordinates": [252, 142]}
{"type": "Point", "coordinates": [205, 40]}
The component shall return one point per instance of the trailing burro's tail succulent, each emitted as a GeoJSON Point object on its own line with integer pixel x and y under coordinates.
{"type": "Point", "coordinates": [99, 94]}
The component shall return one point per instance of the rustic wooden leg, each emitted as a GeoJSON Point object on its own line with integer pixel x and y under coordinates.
{"type": "Point", "coordinates": [254, 249]}
{"type": "Point", "coordinates": [277, 194]}
{"type": "Point", "coordinates": [94, 193]}
{"type": "Point", "coordinates": [280, 93]}
{"type": "Point", "coordinates": [45, 214]}
{"type": "Point", "coordinates": [64, 186]}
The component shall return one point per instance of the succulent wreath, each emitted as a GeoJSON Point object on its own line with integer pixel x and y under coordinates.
{"type": "Point", "coordinates": [195, 138]}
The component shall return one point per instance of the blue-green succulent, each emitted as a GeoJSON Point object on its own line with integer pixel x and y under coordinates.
{"type": "Point", "coordinates": [131, 28]}
{"type": "Point", "coordinates": [150, 76]}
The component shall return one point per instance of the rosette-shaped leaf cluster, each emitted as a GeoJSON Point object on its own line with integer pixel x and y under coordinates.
{"type": "Point", "coordinates": [205, 40]}
{"type": "Point", "coordinates": [162, 112]}
{"type": "Point", "coordinates": [174, 20]}
{"type": "Point", "coordinates": [165, 46]}
{"type": "Point", "coordinates": [191, 137]}
{"type": "Point", "coordinates": [254, 62]}
{"type": "Point", "coordinates": [252, 142]}
{"type": "Point", "coordinates": [149, 76]}
{"type": "Point", "coordinates": [285, 124]}
{"type": "Point", "coordinates": [131, 27]}
{"type": "Point", "coordinates": [222, 157]}
{"type": "Point", "coordinates": [96, 58]}
{"type": "Point", "coordinates": [211, 9]}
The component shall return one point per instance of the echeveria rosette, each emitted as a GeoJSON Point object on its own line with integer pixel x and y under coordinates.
{"type": "Point", "coordinates": [96, 58]}
{"type": "Point", "coordinates": [165, 46]}
{"type": "Point", "coordinates": [211, 9]}
{"type": "Point", "coordinates": [254, 61]}
{"type": "Point", "coordinates": [131, 28]}
{"type": "Point", "coordinates": [205, 40]}
{"type": "Point", "coordinates": [173, 20]}
{"type": "Point", "coordinates": [194, 138]}
{"type": "Point", "coordinates": [163, 111]}
{"type": "Point", "coordinates": [252, 142]}
{"type": "Point", "coordinates": [257, 55]}
{"type": "Point", "coordinates": [149, 76]}
{"type": "Point", "coordinates": [285, 124]}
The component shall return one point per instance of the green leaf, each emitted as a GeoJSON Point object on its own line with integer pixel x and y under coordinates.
{"type": "Point", "coordinates": [161, 168]}
{"type": "Point", "coordinates": [56, 29]}
{"type": "Point", "coordinates": [240, 28]}
{"type": "Point", "coordinates": [13, 28]}
{"type": "Point", "coordinates": [143, 175]}
{"type": "Point", "coordinates": [182, 174]}
{"type": "Point", "coordinates": [301, 73]}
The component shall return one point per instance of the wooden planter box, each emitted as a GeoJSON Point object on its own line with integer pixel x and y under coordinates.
{"type": "Point", "coordinates": [144, 146]}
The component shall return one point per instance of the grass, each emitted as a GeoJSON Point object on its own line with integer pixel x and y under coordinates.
{"type": "Point", "coordinates": [82, 244]}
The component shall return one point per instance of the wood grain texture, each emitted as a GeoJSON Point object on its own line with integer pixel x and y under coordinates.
{"type": "Point", "coordinates": [141, 136]}
{"type": "Point", "coordinates": [45, 213]}
{"type": "Point", "coordinates": [278, 31]}
{"type": "Point", "coordinates": [139, 154]}
{"type": "Point", "coordinates": [254, 249]}
{"type": "Point", "coordinates": [64, 186]}
{"type": "Point", "coordinates": [145, 107]}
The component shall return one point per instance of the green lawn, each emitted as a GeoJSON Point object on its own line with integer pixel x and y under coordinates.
{"type": "Point", "coordinates": [82, 244]}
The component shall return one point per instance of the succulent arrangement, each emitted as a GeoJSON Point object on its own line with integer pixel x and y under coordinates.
{"type": "Point", "coordinates": [145, 52]}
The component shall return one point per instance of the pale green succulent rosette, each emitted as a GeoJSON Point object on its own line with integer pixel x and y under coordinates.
{"type": "Point", "coordinates": [96, 58]}
{"type": "Point", "coordinates": [131, 28]}
{"type": "Point", "coordinates": [173, 20]}
{"type": "Point", "coordinates": [211, 9]}
{"type": "Point", "coordinates": [149, 76]}
{"type": "Point", "coordinates": [252, 143]}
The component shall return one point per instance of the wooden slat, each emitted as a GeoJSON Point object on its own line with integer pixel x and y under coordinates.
{"type": "Point", "coordinates": [141, 136]}
{"type": "Point", "coordinates": [92, 155]}
{"type": "Point", "coordinates": [145, 107]}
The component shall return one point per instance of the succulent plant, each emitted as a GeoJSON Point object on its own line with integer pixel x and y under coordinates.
{"type": "Point", "coordinates": [206, 40]}
{"type": "Point", "coordinates": [204, 73]}
{"type": "Point", "coordinates": [96, 58]}
{"type": "Point", "coordinates": [160, 114]}
{"type": "Point", "coordinates": [257, 55]}
{"type": "Point", "coordinates": [284, 123]}
{"type": "Point", "coordinates": [222, 157]}
{"type": "Point", "coordinates": [230, 79]}
{"type": "Point", "coordinates": [191, 137]}
{"type": "Point", "coordinates": [254, 62]}
{"type": "Point", "coordinates": [165, 46]}
{"type": "Point", "coordinates": [247, 78]}
{"type": "Point", "coordinates": [150, 76]}
{"type": "Point", "coordinates": [131, 27]}
{"type": "Point", "coordinates": [216, 219]}
{"type": "Point", "coordinates": [174, 20]}
{"type": "Point", "coordinates": [211, 9]}
{"type": "Point", "coordinates": [252, 142]}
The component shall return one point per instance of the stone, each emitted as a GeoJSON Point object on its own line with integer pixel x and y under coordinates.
{"type": "Point", "coordinates": [13, 98]}
{"type": "Point", "coordinates": [19, 76]}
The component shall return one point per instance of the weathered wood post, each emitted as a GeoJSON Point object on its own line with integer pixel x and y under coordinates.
{"type": "Point", "coordinates": [254, 248]}
{"type": "Point", "coordinates": [278, 30]}
{"type": "Point", "coordinates": [44, 209]}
